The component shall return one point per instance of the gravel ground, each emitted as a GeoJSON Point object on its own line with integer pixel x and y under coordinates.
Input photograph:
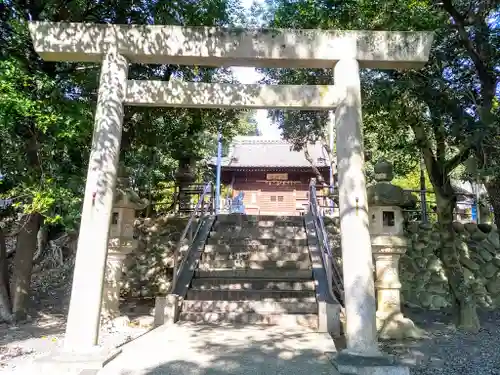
{"type": "Point", "coordinates": [20, 345]}
{"type": "Point", "coordinates": [447, 351]}
{"type": "Point", "coordinates": [43, 332]}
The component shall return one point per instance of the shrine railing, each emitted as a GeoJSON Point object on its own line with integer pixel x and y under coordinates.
{"type": "Point", "coordinates": [205, 206]}
{"type": "Point", "coordinates": [335, 281]}
{"type": "Point", "coordinates": [187, 195]}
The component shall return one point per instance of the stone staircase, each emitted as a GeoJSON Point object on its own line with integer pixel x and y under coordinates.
{"type": "Point", "coordinates": [256, 270]}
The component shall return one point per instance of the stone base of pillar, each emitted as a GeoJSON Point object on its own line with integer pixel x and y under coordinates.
{"type": "Point", "coordinates": [353, 364]}
{"type": "Point", "coordinates": [166, 310]}
{"type": "Point", "coordinates": [111, 290]}
{"type": "Point", "coordinates": [396, 326]}
{"type": "Point", "coordinates": [329, 318]}
{"type": "Point", "coordinates": [70, 362]}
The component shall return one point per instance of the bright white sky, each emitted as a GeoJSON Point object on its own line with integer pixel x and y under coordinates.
{"type": "Point", "coordinates": [250, 75]}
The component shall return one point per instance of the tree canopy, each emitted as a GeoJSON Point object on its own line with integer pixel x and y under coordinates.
{"type": "Point", "coordinates": [47, 110]}
{"type": "Point", "coordinates": [447, 113]}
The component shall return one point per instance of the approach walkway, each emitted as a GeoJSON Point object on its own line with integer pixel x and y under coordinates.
{"type": "Point", "coordinates": [193, 349]}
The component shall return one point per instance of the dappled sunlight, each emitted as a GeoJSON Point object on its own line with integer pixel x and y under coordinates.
{"type": "Point", "coordinates": [98, 201]}
{"type": "Point", "coordinates": [209, 46]}
{"type": "Point", "coordinates": [357, 260]}
{"type": "Point", "coordinates": [215, 349]}
{"type": "Point", "coordinates": [223, 349]}
{"type": "Point", "coordinates": [178, 93]}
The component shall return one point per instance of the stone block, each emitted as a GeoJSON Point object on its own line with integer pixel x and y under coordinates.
{"type": "Point", "coordinates": [397, 327]}
{"type": "Point", "coordinates": [478, 235]}
{"type": "Point", "coordinates": [329, 318]}
{"type": "Point", "coordinates": [352, 364]}
{"type": "Point", "coordinates": [494, 239]}
{"type": "Point", "coordinates": [493, 286]}
{"type": "Point", "coordinates": [458, 227]}
{"type": "Point", "coordinates": [166, 310]}
{"type": "Point", "coordinates": [85, 362]}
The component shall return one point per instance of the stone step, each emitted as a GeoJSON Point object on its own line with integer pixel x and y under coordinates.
{"type": "Point", "coordinates": [246, 284]}
{"type": "Point", "coordinates": [264, 224]}
{"type": "Point", "coordinates": [256, 256]}
{"type": "Point", "coordinates": [250, 247]}
{"type": "Point", "coordinates": [248, 273]}
{"type": "Point", "coordinates": [264, 220]}
{"type": "Point", "coordinates": [248, 295]}
{"type": "Point", "coordinates": [290, 320]}
{"type": "Point", "coordinates": [206, 265]}
{"type": "Point", "coordinates": [258, 241]}
{"type": "Point", "coordinates": [284, 306]}
{"type": "Point", "coordinates": [255, 229]}
{"type": "Point", "coordinates": [236, 235]}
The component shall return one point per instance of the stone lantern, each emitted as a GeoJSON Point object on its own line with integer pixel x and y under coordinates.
{"type": "Point", "coordinates": [385, 202]}
{"type": "Point", "coordinates": [121, 242]}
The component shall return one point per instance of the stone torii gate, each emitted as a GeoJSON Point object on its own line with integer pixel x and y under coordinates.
{"type": "Point", "coordinates": [116, 46]}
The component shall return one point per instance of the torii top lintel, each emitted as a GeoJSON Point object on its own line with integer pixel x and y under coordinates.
{"type": "Point", "coordinates": [209, 46]}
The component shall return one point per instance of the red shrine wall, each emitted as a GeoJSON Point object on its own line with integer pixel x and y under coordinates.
{"type": "Point", "coordinates": [281, 192]}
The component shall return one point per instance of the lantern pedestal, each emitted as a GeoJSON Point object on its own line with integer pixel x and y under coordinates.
{"type": "Point", "coordinates": [117, 252]}
{"type": "Point", "coordinates": [388, 244]}
{"type": "Point", "coordinates": [121, 243]}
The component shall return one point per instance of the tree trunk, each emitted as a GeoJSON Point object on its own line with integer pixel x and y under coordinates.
{"type": "Point", "coordinates": [23, 264]}
{"type": "Point", "coordinates": [493, 189]}
{"type": "Point", "coordinates": [5, 301]}
{"type": "Point", "coordinates": [463, 298]}
{"type": "Point", "coordinates": [42, 240]}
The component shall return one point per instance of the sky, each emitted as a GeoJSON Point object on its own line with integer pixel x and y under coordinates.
{"type": "Point", "coordinates": [249, 75]}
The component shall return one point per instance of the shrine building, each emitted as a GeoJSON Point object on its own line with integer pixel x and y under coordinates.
{"type": "Point", "coordinates": [274, 178]}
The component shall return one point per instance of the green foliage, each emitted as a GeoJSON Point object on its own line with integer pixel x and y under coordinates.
{"type": "Point", "coordinates": [46, 109]}
{"type": "Point", "coordinates": [444, 112]}
{"type": "Point", "coordinates": [442, 109]}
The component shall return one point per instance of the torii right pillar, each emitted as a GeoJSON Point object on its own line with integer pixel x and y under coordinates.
{"type": "Point", "coordinates": [362, 355]}
{"type": "Point", "coordinates": [360, 308]}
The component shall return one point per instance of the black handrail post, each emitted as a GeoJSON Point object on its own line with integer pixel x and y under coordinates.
{"type": "Point", "coordinates": [188, 231]}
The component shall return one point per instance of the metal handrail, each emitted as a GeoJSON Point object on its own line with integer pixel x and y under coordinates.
{"type": "Point", "coordinates": [333, 273]}
{"type": "Point", "coordinates": [199, 210]}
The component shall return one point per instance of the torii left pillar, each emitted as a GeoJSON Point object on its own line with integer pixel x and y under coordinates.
{"type": "Point", "coordinates": [82, 330]}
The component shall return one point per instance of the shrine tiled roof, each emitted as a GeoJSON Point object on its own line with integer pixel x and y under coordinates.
{"type": "Point", "coordinates": [261, 152]}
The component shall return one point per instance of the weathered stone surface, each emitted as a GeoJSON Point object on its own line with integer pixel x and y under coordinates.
{"type": "Point", "coordinates": [413, 227]}
{"type": "Point", "coordinates": [494, 238]}
{"type": "Point", "coordinates": [493, 286]}
{"type": "Point", "coordinates": [470, 227]}
{"type": "Point", "coordinates": [458, 227]}
{"type": "Point", "coordinates": [425, 226]}
{"type": "Point", "coordinates": [489, 270]}
{"type": "Point", "coordinates": [478, 235]}
{"type": "Point", "coordinates": [487, 245]}
{"type": "Point", "coordinates": [146, 269]}
{"type": "Point", "coordinates": [485, 254]}
{"type": "Point", "coordinates": [485, 228]}
{"type": "Point", "coordinates": [385, 194]}
{"type": "Point", "coordinates": [470, 264]}
{"type": "Point", "coordinates": [423, 277]}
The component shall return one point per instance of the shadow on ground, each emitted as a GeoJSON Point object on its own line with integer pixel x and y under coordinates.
{"type": "Point", "coordinates": [211, 350]}
{"type": "Point", "coordinates": [447, 350]}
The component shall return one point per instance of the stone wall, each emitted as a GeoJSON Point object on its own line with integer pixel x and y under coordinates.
{"type": "Point", "coordinates": [332, 226]}
{"type": "Point", "coordinates": [148, 269]}
{"type": "Point", "coordinates": [422, 275]}
{"type": "Point", "coordinates": [424, 283]}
